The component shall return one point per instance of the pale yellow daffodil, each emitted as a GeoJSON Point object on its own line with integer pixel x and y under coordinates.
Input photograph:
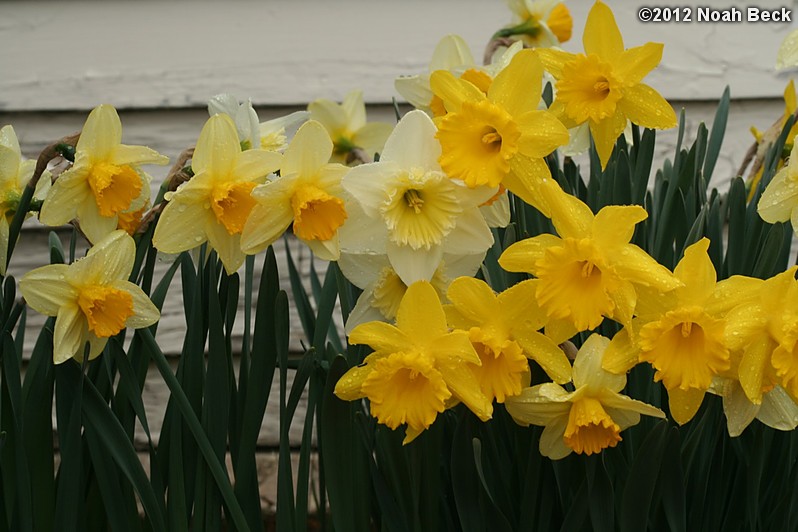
{"type": "Point", "coordinates": [307, 193]}
{"type": "Point", "coordinates": [503, 329]}
{"type": "Point", "coordinates": [682, 333]}
{"type": "Point", "coordinates": [500, 137]}
{"type": "Point", "coordinates": [91, 298]}
{"type": "Point", "coordinates": [418, 368]}
{"type": "Point", "coordinates": [586, 420]}
{"type": "Point", "coordinates": [105, 180]}
{"type": "Point", "coordinates": [591, 270]}
{"type": "Point", "coordinates": [602, 87]}
{"type": "Point", "coordinates": [214, 205]}
{"type": "Point", "coordinates": [14, 176]}
{"type": "Point", "coordinates": [409, 209]}
{"type": "Point", "coordinates": [346, 124]}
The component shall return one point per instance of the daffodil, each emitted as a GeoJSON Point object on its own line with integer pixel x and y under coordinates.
{"type": "Point", "coordinates": [504, 332]}
{"type": "Point", "coordinates": [682, 332]}
{"type": "Point", "coordinates": [383, 289]}
{"type": "Point", "coordinates": [602, 87]}
{"type": "Point", "coordinates": [418, 368]}
{"type": "Point", "coordinates": [214, 205]}
{"type": "Point", "coordinates": [779, 200]}
{"type": "Point", "coordinates": [586, 420]}
{"type": "Point", "coordinates": [762, 334]}
{"type": "Point", "coordinates": [539, 22]}
{"type": "Point", "coordinates": [105, 180]}
{"type": "Point", "coordinates": [307, 193]}
{"type": "Point", "coordinates": [591, 270]}
{"type": "Point", "coordinates": [500, 137]}
{"type": "Point", "coordinates": [409, 209]}
{"type": "Point", "coordinates": [346, 124]}
{"type": "Point", "coordinates": [14, 176]}
{"type": "Point", "coordinates": [91, 298]}
{"type": "Point", "coordinates": [253, 134]}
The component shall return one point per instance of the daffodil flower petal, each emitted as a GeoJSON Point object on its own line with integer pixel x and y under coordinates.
{"type": "Point", "coordinates": [409, 147]}
{"type": "Point", "coordinates": [621, 354]}
{"type": "Point", "coordinates": [46, 289]}
{"type": "Point", "coordinates": [543, 133]}
{"type": "Point", "coordinates": [101, 132]}
{"type": "Point", "coordinates": [546, 353]}
{"type": "Point", "coordinates": [453, 91]}
{"type": "Point", "coordinates": [474, 298]}
{"type": "Point", "coordinates": [602, 36]}
{"type": "Point", "coordinates": [778, 410]}
{"type": "Point", "coordinates": [308, 152]}
{"type": "Point", "coordinates": [635, 63]}
{"type": "Point", "coordinates": [684, 403]}
{"type": "Point", "coordinates": [645, 107]}
{"type": "Point", "coordinates": [420, 314]}
{"type": "Point", "coordinates": [523, 255]}
{"type": "Point", "coordinates": [216, 146]}
{"type": "Point", "coordinates": [517, 88]}
{"type": "Point", "coordinates": [181, 227]}
{"type": "Point", "coordinates": [68, 335]}
{"type": "Point", "coordinates": [605, 133]}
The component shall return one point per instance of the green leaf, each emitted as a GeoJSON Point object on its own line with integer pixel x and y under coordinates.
{"type": "Point", "coordinates": [718, 131]}
{"type": "Point", "coordinates": [344, 457]}
{"type": "Point", "coordinates": [639, 490]}
{"type": "Point", "coordinates": [216, 468]}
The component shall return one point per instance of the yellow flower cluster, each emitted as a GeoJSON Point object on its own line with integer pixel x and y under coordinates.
{"type": "Point", "coordinates": [412, 228]}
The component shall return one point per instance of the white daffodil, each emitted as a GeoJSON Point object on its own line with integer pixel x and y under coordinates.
{"type": "Point", "coordinates": [214, 205]}
{"type": "Point", "coordinates": [105, 180]}
{"type": "Point", "coordinates": [269, 135]}
{"type": "Point", "coordinates": [91, 298]}
{"type": "Point", "coordinates": [307, 193]}
{"type": "Point", "coordinates": [587, 420]}
{"type": "Point", "coordinates": [14, 176]}
{"type": "Point", "coordinates": [346, 124]}
{"type": "Point", "coordinates": [411, 210]}
{"type": "Point", "coordinates": [383, 289]}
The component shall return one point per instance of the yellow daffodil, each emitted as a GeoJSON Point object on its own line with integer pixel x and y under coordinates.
{"type": "Point", "coordinates": [105, 180]}
{"type": "Point", "coordinates": [91, 298]}
{"type": "Point", "coordinates": [682, 332]}
{"type": "Point", "coordinates": [779, 200]}
{"type": "Point", "coordinates": [499, 137]}
{"type": "Point", "coordinates": [418, 367]}
{"type": "Point", "coordinates": [504, 332]}
{"type": "Point", "coordinates": [409, 209]}
{"type": "Point", "coordinates": [346, 124]}
{"type": "Point", "coordinates": [307, 193]}
{"type": "Point", "coordinates": [603, 86]}
{"type": "Point", "coordinates": [252, 133]}
{"type": "Point", "coordinates": [539, 22]}
{"type": "Point", "coordinates": [762, 333]}
{"type": "Point", "coordinates": [383, 289]}
{"type": "Point", "coordinates": [14, 176]}
{"type": "Point", "coordinates": [584, 421]}
{"type": "Point", "coordinates": [591, 270]}
{"type": "Point", "coordinates": [214, 205]}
